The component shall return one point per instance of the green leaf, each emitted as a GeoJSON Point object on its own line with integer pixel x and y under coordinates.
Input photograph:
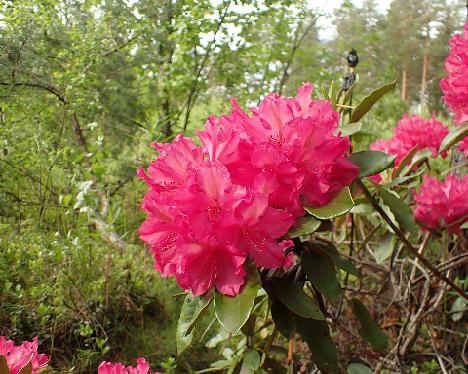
{"type": "Point", "coordinates": [191, 310]}
{"type": "Point", "coordinates": [358, 368]}
{"type": "Point", "coordinates": [418, 159]}
{"type": "Point", "coordinates": [454, 137]}
{"type": "Point", "coordinates": [233, 312]}
{"type": "Point", "coordinates": [304, 226]}
{"type": "Point", "coordinates": [3, 366]}
{"type": "Point", "coordinates": [366, 104]}
{"type": "Point", "coordinates": [372, 162]}
{"type": "Point", "coordinates": [295, 299]}
{"type": "Point", "coordinates": [321, 273]}
{"type": "Point", "coordinates": [251, 362]}
{"type": "Point", "coordinates": [336, 257]}
{"type": "Point", "coordinates": [350, 129]}
{"type": "Point", "coordinates": [284, 319]}
{"type": "Point", "coordinates": [341, 204]}
{"type": "Point", "coordinates": [459, 306]}
{"type": "Point", "coordinates": [401, 211]}
{"type": "Point", "coordinates": [406, 160]}
{"type": "Point", "coordinates": [348, 93]}
{"type": "Point", "coordinates": [369, 330]}
{"type": "Point", "coordinates": [317, 336]}
{"type": "Point", "coordinates": [384, 249]}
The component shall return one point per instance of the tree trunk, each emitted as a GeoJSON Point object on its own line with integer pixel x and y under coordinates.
{"type": "Point", "coordinates": [422, 96]}
{"type": "Point", "coordinates": [403, 85]}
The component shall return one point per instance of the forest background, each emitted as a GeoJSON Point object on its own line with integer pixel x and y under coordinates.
{"type": "Point", "coordinates": [86, 86]}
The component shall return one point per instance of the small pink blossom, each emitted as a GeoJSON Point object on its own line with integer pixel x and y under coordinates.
{"type": "Point", "coordinates": [442, 204]}
{"type": "Point", "coordinates": [18, 356]}
{"type": "Point", "coordinates": [455, 85]}
{"type": "Point", "coordinates": [463, 146]}
{"type": "Point", "coordinates": [111, 368]}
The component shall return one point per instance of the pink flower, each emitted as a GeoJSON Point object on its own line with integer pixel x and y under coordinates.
{"type": "Point", "coordinates": [111, 368]}
{"type": "Point", "coordinates": [18, 356]}
{"type": "Point", "coordinates": [413, 131]}
{"type": "Point", "coordinates": [210, 207]}
{"type": "Point", "coordinates": [455, 85]}
{"type": "Point", "coordinates": [463, 146]}
{"type": "Point", "coordinates": [442, 204]}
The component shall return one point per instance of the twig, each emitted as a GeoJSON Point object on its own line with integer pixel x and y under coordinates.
{"type": "Point", "coordinates": [406, 242]}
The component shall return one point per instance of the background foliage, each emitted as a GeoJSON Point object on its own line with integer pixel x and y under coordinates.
{"type": "Point", "coordinates": [86, 86]}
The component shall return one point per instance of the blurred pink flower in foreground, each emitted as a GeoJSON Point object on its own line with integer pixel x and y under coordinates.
{"type": "Point", "coordinates": [210, 207]}
{"type": "Point", "coordinates": [111, 368]}
{"type": "Point", "coordinates": [18, 356]}
{"type": "Point", "coordinates": [455, 85]}
{"type": "Point", "coordinates": [442, 204]}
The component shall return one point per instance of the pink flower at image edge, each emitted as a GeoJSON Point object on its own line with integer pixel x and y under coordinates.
{"type": "Point", "coordinates": [118, 368]}
{"type": "Point", "coordinates": [18, 356]}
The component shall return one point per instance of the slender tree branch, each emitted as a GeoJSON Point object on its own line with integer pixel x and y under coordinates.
{"type": "Point", "coordinates": [406, 242]}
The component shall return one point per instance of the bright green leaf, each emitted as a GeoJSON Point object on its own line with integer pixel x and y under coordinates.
{"type": "Point", "coordinates": [295, 299]}
{"type": "Point", "coordinates": [251, 362]}
{"type": "Point", "coordinates": [341, 204]}
{"type": "Point", "coordinates": [372, 162]}
{"type": "Point", "coordinates": [321, 273]}
{"type": "Point", "coordinates": [454, 137]}
{"type": "Point", "coordinates": [349, 129]}
{"type": "Point", "coordinates": [191, 310]}
{"type": "Point", "coordinates": [358, 368]}
{"type": "Point", "coordinates": [384, 249]}
{"type": "Point", "coordinates": [366, 104]}
{"type": "Point", "coordinates": [418, 159]}
{"type": "Point", "coordinates": [459, 306]}
{"type": "Point", "coordinates": [284, 319]}
{"type": "Point", "coordinates": [401, 211]}
{"type": "Point", "coordinates": [317, 336]}
{"type": "Point", "coordinates": [370, 330]}
{"type": "Point", "coordinates": [304, 226]}
{"type": "Point", "coordinates": [233, 312]}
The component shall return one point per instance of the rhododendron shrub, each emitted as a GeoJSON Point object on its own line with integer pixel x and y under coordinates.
{"type": "Point", "coordinates": [411, 131]}
{"type": "Point", "coordinates": [213, 206]}
{"type": "Point", "coordinates": [455, 85]}
{"type": "Point", "coordinates": [18, 356]}
{"type": "Point", "coordinates": [118, 368]}
{"type": "Point", "coordinates": [442, 204]}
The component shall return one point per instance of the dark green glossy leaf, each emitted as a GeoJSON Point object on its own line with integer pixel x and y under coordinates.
{"type": "Point", "coordinates": [401, 211]}
{"type": "Point", "coordinates": [191, 310]}
{"type": "Point", "coordinates": [233, 312]}
{"type": "Point", "coordinates": [304, 226]}
{"type": "Point", "coordinates": [3, 365]}
{"type": "Point", "coordinates": [341, 204]}
{"type": "Point", "coordinates": [317, 336]}
{"type": "Point", "coordinates": [284, 319]}
{"type": "Point", "coordinates": [321, 273]}
{"type": "Point", "coordinates": [336, 257]}
{"type": "Point", "coordinates": [366, 104]}
{"type": "Point", "coordinates": [372, 162]}
{"type": "Point", "coordinates": [369, 330]}
{"type": "Point", "coordinates": [454, 137]}
{"type": "Point", "coordinates": [251, 362]}
{"type": "Point", "coordinates": [358, 368]}
{"type": "Point", "coordinates": [295, 299]}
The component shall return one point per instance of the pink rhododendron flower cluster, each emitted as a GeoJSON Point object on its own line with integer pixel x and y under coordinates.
{"type": "Point", "coordinates": [111, 368]}
{"type": "Point", "coordinates": [413, 131]}
{"type": "Point", "coordinates": [455, 85]}
{"type": "Point", "coordinates": [18, 356]}
{"type": "Point", "coordinates": [212, 206]}
{"type": "Point", "coordinates": [443, 203]}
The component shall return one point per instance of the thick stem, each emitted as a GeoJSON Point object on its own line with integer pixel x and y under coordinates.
{"type": "Point", "coordinates": [406, 242]}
